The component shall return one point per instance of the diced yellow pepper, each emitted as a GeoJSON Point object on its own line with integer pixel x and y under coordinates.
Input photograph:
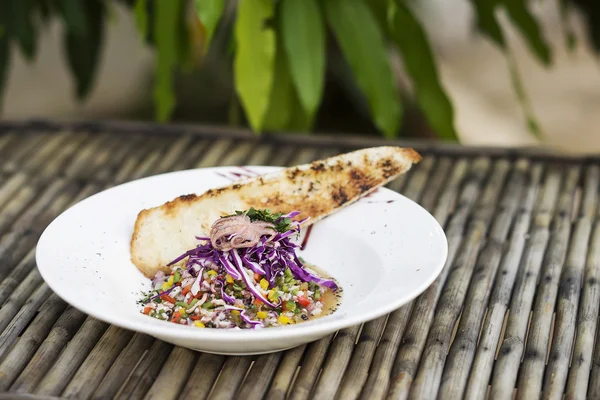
{"type": "Point", "coordinates": [264, 284]}
{"type": "Point", "coordinates": [235, 312]}
{"type": "Point", "coordinates": [168, 283]}
{"type": "Point", "coordinates": [283, 319]}
{"type": "Point", "coordinates": [271, 295]}
{"type": "Point", "coordinates": [228, 278]}
{"type": "Point", "coordinates": [211, 272]}
{"type": "Point", "coordinates": [199, 324]}
{"type": "Point", "coordinates": [261, 314]}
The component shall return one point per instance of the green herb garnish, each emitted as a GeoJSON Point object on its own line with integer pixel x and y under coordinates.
{"type": "Point", "coordinates": [147, 296]}
{"type": "Point", "coordinates": [281, 224]}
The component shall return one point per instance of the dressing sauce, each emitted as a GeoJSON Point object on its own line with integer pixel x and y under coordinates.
{"type": "Point", "coordinates": [331, 300]}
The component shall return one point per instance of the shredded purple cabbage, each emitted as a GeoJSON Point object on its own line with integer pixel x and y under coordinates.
{"type": "Point", "coordinates": [269, 258]}
{"type": "Point", "coordinates": [160, 294]}
{"type": "Point", "coordinates": [253, 324]}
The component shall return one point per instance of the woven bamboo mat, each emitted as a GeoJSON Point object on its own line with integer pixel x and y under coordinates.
{"type": "Point", "coordinates": [514, 311]}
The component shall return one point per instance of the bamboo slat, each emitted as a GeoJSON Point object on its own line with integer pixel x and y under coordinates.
{"type": "Point", "coordinates": [458, 363]}
{"type": "Point", "coordinates": [71, 358]}
{"type": "Point", "coordinates": [259, 378]}
{"type": "Point", "coordinates": [532, 370]}
{"type": "Point", "coordinates": [481, 369]}
{"type": "Point", "coordinates": [122, 367]}
{"type": "Point", "coordinates": [285, 373]}
{"type": "Point", "coordinates": [512, 218]}
{"type": "Point", "coordinates": [509, 357]}
{"type": "Point", "coordinates": [49, 350]}
{"type": "Point", "coordinates": [146, 371]}
{"type": "Point", "coordinates": [16, 360]}
{"type": "Point", "coordinates": [585, 333]}
{"type": "Point", "coordinates": [233, 373]}
{"type": "Point", "coordinates": [22, 318]}
{"type": "Point", "coordinates": [338, 358]}
{"type": "Point", "coordinates": [203, 376]}
{"type": "Point", "coordinates": [426, 384]}
{"type": "Point", "coordinates": [173, 375]}
{"type": "Point", "coordinates": [568, 294]}
{"type": "Point", "coordinates": [96, 365]}
{"type": "Point", "coordinates": [310, 368]}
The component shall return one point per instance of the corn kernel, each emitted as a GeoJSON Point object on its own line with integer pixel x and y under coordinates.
{"type": "Point", "coordinates": [199, 324]}
{"type": "Point", "coordinates": [228, 278]}
{"type": "Point", "coordinates": [264, 284]}
{"type": "Point", "coordinates": [261, 314]}
{"type": "Point", "coordinates": [283, 319]}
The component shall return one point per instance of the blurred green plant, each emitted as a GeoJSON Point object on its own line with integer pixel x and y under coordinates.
{"type": "Point", "coordinates": [279, 51]}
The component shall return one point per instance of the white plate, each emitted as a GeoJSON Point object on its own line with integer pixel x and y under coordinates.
{"type": "Point", "coordinates": [384, 250]}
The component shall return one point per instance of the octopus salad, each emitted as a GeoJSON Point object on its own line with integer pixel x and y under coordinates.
{"type": "Point", "coordinates": [244, 275]}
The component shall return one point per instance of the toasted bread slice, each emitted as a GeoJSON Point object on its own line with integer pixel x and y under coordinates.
{"type": "Point", "coordinates": [316, 190]}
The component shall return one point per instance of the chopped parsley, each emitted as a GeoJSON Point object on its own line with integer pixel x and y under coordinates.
{"type": "Point", "coordinates": [281, 224]}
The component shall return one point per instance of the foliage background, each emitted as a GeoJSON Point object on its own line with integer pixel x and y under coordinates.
{"type": "Point", "coordinates": [277, 55]}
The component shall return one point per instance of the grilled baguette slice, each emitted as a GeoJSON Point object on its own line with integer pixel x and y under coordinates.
{"type": "Point", "coordinates": [316, 190]}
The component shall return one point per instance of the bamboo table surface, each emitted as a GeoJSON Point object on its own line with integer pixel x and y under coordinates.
{"type": "Point", "coordinates": [514, 312]}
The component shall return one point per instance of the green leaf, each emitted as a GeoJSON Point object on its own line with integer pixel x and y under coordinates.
{"type": "Point", "coordinates": [489, 26]}
{"type": "Point", "coordinates": [299, 120]}
{"type": "Point", "coordinates": [46, 9]}
{"type": "Point", "coordinates": [210, 13]}
{"type": "Point", "coordinates": [590, 11]}
{"type": "Point", "coordinates": [412, 42]}
{"type": "Point", "coordinates": [254, 60]}
{"type": "Point", "coordinates": [73, 13]}
{"type": "Point", "coordinates": [570, 38]}
{"type": "Point", "coordinates": [22, 26]}
{"type": "Point", "coordinates": [487, 22]}
{"type": "Point", "coordinates": [141, 17]}
{"type": "Point", "coordinates": [4, 63]}
{"type": "Point", "coordinates": [303, 35]}
{"type": "Point", "coordinates": [281, 98]}
{"type": "Point", "coordinates": [522, 96]}
{"type": "Point", "coordinates": [526, 23]}
{"type": "Point", "coordinates": [362, 42]}
{"type": "Point", "coordinates": [84, 48]}
{"type": "Point", "coordinates": [166, 33]}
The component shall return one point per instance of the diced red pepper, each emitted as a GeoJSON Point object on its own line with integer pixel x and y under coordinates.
{"type": "Point", "coordinates": [147, 310]}
{"type": "Point", "coordinates": [166, 297]}
{"type": "Point", "coordinates": [304, 302]}
{"type": "Point", "coordinates": [257, 277]}
{"type": "Point", "coordinates": [195, 317]}
{"type": "Point", "coordinates": [257, 302]}
{"type": "Point", "coordinates": [176, 317]}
